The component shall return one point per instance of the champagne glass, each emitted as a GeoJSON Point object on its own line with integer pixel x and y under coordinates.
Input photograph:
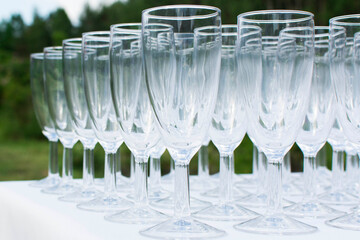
{"type": "Point", "coordinates": [316, 128]}
{"type": "Point", "coordinates": [182, 74]}
{"type": "Point", "coordinates": [43, 117]}
{"type": "Point", "coordinates": [345, 63]}
{"type": "Point", "coordinates": [352, 169]}
{"type": "Point", "coordinates": [59, 112]}
{"type": "Point", "coordinates": [228, 127]}
{"type": "Point", "coordinates": [96, 70]}
{"type": "Point", "coordinates": [75, 98]}
{"type": "Point", "coordinates": [336, 194]}
{"type": "Point", "coordinates": [135, 117]}
{"type": "Point", "coordinates": [277, 70]}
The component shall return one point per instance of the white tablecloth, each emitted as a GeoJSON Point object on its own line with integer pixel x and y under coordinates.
{"type": "Point", "coordinates": [26, 213]}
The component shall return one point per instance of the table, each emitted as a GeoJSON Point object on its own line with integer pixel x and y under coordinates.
{"type": "Point", "coordinates": [26, 214]}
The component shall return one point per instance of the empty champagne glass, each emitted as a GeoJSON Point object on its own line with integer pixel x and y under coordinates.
{"type": "Point", "coordinates": [277, 70]}
{"type": "Point", "coordinates": [316, 128]}
{"type": "Point", "coordinates": [135, 117]}
{"type": "Point", "coordinates": [182, 74]}
{"type": "Point", "coordinates": [96, 70]}
{"type": "Point", "coordinates": [43, 117]}
{"type": "Point", "coordinates": [76, 101]}
{"type": "Point", "coordinates": [228, 127]}
{"type": "Point", "coordinates": [59, 112]}
{"type": "Point", "coordinates": [345, 63]}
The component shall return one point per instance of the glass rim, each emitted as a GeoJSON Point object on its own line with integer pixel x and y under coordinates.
{"type": "Point", "coordinates": [147, 12]}
{"type": "Point", "coordinates": [38, 55]}
{"type": "Point", "coordinates": [119, 25]}
{"type": "Point", "coordinates": [96, 33]}
{"type": "Point", "coordinates": [229, 26]}
{"type": "Point", "coordinates": [306, 16]}
{"type": "Point", "coordinates": [337, 20]}
{"type": "Point", "coordinates": [72, 42]}
{"type": "Point", "coordinates": [53, 49]}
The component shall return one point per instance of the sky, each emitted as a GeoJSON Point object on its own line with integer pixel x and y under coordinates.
{"type": "Point", "coordinates": [27, 7]}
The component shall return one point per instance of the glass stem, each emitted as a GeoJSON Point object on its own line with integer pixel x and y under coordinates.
{"type": "Point", "coordinates": [53, 159]}
{"type": "Point", "coordinates": [309, 178]}
{"type": "Point", "coordinates": [255, 166]}
{"type": "Point", "coordinates": [172, 166]}
{"type": "Point", "coordinates": [118, 164]}
{"type": "Point", "coordinates": [274, 188]}
{"type": "Point", "coordinates": [337, 170]}
{"type": "Point", "coordinates": [226, 173]}
{"type": "Point", "coordinates": [155, 173]}
{"type": "Point", "coordinates": [261, 173]}
{"type": "Point", "coordinates": [67, 170]}
{"type": "Point", "coordinates": [88, 167]}
{"type": "Point", "coordinates": [181, 191]}
{"type": "Point", "coordinates": [350, 168]}
{"type": "Point", "coordinates": [203, 162]}
{"type": "Point", "coordinates": [109, 173]}
{"type": "Point", "coordinates": [132, 168]}
{"type": "Point", "coordinates": [141, 170]}
{"type": "Point", "coordinates": [286, 167]}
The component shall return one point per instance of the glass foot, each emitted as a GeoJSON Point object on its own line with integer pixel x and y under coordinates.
{"type": "Point", "coordinates": [275, 224]}
{"type": "Point", "coordinates": [137, 215]}
{"type": "Point", "coordinates": [349, 221]}
{"type": "Point", "coordinates": [168, 203]}
{"type": "Point", "coordinates": [47, 182]}
{"type": "Point", "coordinates": [291, 190]}
{"type": "Point", "coordinates": [245, 180]}
{"type": "Point", "coordinates": [338, 198]}
{"type": "Point", "coordinates": [63, 188]}
{"type": "Point", "coordinates": [201, 184]}
{"type": "Point", "coordinates": [83, 195]}
{"type": "Point", "coordinates": [182, 228]}
{"type": "Point", "coordinates": [311, 209]}
{"type": "Point", "coordinates": [225, 212]}
{"type": "Point", "coordinates": [214, 193]}
{"type": "Point", "coordinates": [153, 195]}
{"type": "Point", "coordinates": [99, 181]}
{"type": "Point", "coordinates": [106, 203]}
{"type": "Point", "coordinates": [259, 201]}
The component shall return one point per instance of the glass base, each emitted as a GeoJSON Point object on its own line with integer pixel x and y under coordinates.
{"type": "Point", "coordinates": [258, 201]}
{"type": "Point", "coordinates": [201, 183]}
{"type": "Point", "coordinates": [99, 181]}
{"type": "Point", "coordinates": [83, 195]}
{"type": "Point", "coordinates": [47, 182]}
{"type": "Point", "coordinates": [168, 203]}
{"type": "Point", "coordinates": [106, 203]}
{"type": "Point", "coordinates": [349, 221]}
{"type": "Point", "coordinates": [214, 193]}
{"type": "Point", "coordinates": [153, 195]}
{"type": "Point", "coordinates": [275, 224]}
{"type": "Point", "coordinates": [338, 198]}
{"type": "Point", "coordinates": [289, 189]}
{"type": "Point", "coordinates": [137, 215]}
{"type": "Point", "coordinates": [63, 188]}
{"type": "Point", "coordinates": [225, 212]}
{"type": "Point", "coordinates": [245, 181]}
{"type": "Point", "coordinates": [182, 228]}
{"type": "Point", "coordinates": [311, 209]}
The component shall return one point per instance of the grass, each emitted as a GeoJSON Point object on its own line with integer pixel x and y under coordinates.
{"type": "Point", "coordinates": [27, 160]}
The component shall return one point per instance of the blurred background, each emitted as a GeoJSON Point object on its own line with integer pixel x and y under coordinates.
{"type": "Point", "coordinates": [27, 26]}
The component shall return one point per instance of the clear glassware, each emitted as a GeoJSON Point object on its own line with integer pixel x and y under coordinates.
{"type": "Point", "coordinates": [277, 72]}
{"type": "Point", "coordinates": [352, 169]}
{"type": "Point", "coordinates": [135, 117]}
{"type": "Point", "coordinates": [337, 194]}
{"type": "Point", "coordinates": [59, 112]}
{"type": "Point", "coordinates": [96, 70]}
{"type": "Point", "coordinates": [155, 190]}
{"type": "Point", "coordinates": [182, 75]}
{"type": "Point", "coordinates": [76, 102]}
{"type": "Point", "coordinates": [345, 63]}
{"type": "Point", "coordinates": [228, 128]}
{"type": "Point", "coordinates": [322, 172]}
{"type": "Point", "coordinates": [43, 117]}
{"type": "Point", "coordinates": [315, 130]}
